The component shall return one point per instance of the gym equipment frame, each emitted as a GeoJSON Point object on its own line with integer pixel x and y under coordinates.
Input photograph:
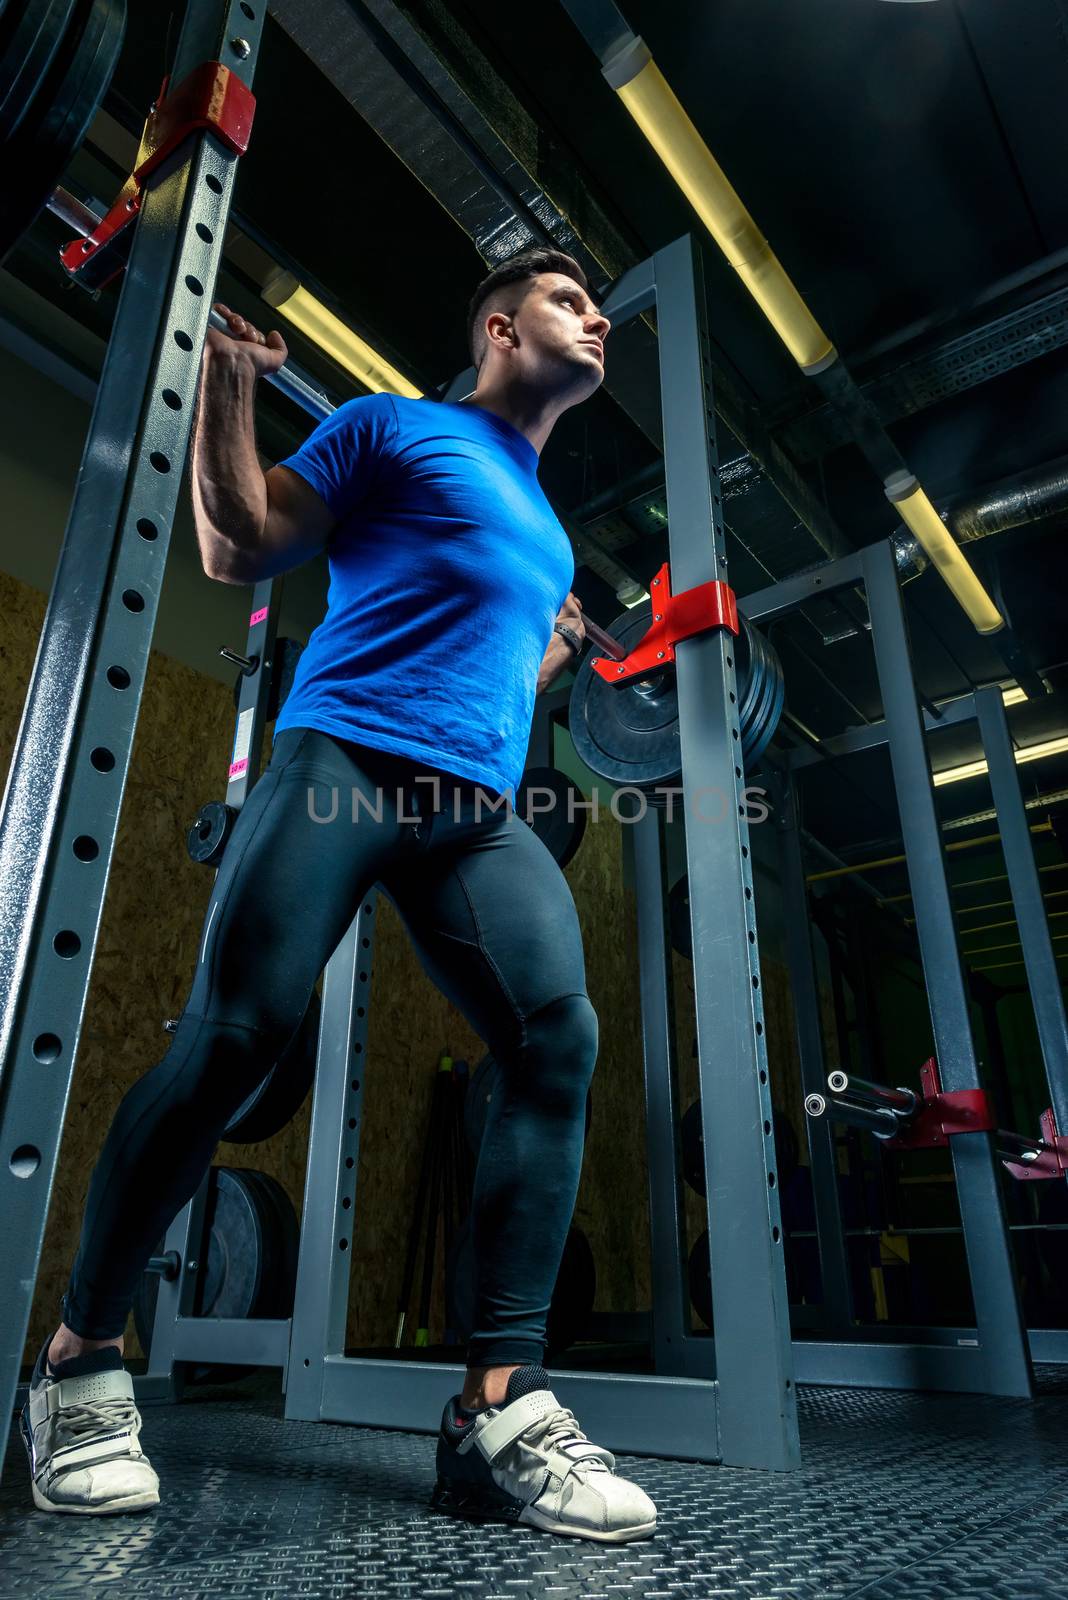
{"type": "Point", "coordinates": [68, 772]}
{"type": "Point", "coordinates": [747, 1413]}
{"type": "Point", "coordinates": [986, 1358]}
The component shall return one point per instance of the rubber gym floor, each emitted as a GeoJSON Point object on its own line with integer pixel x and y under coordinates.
{"type": "Point", "coordinates": [927, 1495]}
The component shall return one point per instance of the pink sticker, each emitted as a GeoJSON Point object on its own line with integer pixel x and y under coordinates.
{"type": "Point", "coordinates": [257, 616]}
{"type": "Point", "coordinates": [238, 770]}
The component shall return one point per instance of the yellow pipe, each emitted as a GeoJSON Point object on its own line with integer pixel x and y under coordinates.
{"type": "Point", "coordinates": [893, 861]}
{"type": "Point", "coordinates": [994, 965]}
{"type": "Point", "coordinates": [970, 883]}
{"type": "Point", "coordinates": [995, 905]}
{"type": "Point", "coordinates": [662, 118]}
{"type": "Point", "coordinates": [660, 115]}
{"type": "Point", "coordinates": [985, 927]}
{"type": "Point", "coordinates": [946, 554]}
{"type": "Point", "coordinates": [318, 323]}
{"type": "Point", "coordinates": [1013, 944]}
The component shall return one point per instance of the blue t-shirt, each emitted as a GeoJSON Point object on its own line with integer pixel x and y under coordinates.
{"type": "Point", "coordinates": [447, 571]}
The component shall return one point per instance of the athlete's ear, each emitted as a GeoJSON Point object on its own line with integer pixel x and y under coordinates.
{"type": "Point", "coordinates": [499, 329]}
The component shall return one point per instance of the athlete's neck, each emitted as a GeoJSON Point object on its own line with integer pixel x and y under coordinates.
{"type": "Point", "coordinates": [532, 413]}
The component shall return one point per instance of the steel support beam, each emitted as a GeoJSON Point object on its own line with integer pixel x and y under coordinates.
{"type": "Point", "coordinates": [1040, 963]}
{"type": "Point", "coordinates": [1001, 1331]}
{"type": "Point", "coordinates": [68, 774]}
{"type": "Point", "coordinates": [757, 1401]}
{"type": "Point", "coordinates": [834, 1263]}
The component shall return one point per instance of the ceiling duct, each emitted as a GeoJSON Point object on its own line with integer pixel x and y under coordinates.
{"type": "Point", "coordinates": [1028, 497]}
{"type": "Point", "coordinates": [486, 181]}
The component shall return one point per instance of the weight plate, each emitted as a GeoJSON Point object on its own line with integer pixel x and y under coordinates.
{"type": "Point", "coordinates": [479, 1094]}
{"type": "Point", "coordinates": [573, 1296]}
{"type": "Point", "coordinates": [693, 1149]}
{"type": "Point", "coordinates": [679, 917]}
{"type": "Point", "coordinates": [700, 1277]}
{"type": "Point", "coordinates": [274, 1103]}
{"type": "Point", "coordinates": [287, 653]}
{"type": "Point", "coordinates": [30, 35]}
{"type": "Point", "coordinates": [230, 1277]}
{"type": "Point", "coordinates": [559, 824]}
{"type": "Point", "coordinates": [629, 733]}
{"type": "Point", "coordinates": [56, 123]}
{"type": "Point", "coordinates": [281, 1243]}
{"type": "Point", "coordinates": [206, 839]}
{"type": "Point", "coordinates": [787, 1148]}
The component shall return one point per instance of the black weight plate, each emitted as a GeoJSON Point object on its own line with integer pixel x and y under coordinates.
{"type": "Point", "coordinates": [280, 673]}
{"type": "Point", "coordinates": [281, 1243]}
{"type": "Point", "coordinates": [274, 1103]}
{"type": "Point", "coordinates": [679, 917]}
{"type": "Point", "coordinates": [629, 733]}
{"type": "Point", "coordinates": [560, 821]}
{"type": "Point", "coordinates": [30, 35]}
{"type": "Point", "coordinates": [206, 839]}
{"type": "Point", "coordinates": [693, 1149]}
{"type": "Point", "coordinates": [480, 1091]}
{"type": "Point", "coordinates": [57, 122]}
{"type": "Point", "coordinates": [787, 1149]}
{"type": "Point", "coordinates": [700, 1278]}
{"type": "Point", "coordinates": [573, 1296]}
{"type": "Point", "coordinates": [763, 694]}
{"type": "Point", "coordinates": [230, 1275]}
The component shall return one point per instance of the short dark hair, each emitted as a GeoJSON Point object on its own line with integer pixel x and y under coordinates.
{"type": "Point", "coordinates": [517, 269]}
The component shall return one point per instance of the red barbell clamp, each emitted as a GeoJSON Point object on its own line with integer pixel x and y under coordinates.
{"type": "Point", "coordinates": [1051, 1162]}
{"type": "Point", "coordinates": [211, 96]}
{"type": "Point", "coordinates": [943, 1114]}
{"type": "Point", "coordinates": [675, 617]}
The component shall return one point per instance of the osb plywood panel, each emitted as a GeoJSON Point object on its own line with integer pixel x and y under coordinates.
{"type": "Point", "coordinates": [152, 915]}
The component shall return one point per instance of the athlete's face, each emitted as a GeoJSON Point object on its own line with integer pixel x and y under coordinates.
{"type": "Point", "coordinates": [556, 337]}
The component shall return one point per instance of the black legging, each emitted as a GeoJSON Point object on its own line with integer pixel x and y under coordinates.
{"type": "Point", "coordinates": [494, 925]}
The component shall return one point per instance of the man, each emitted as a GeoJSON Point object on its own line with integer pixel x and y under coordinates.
{"type": "Point", "coordinates": [449, 606]}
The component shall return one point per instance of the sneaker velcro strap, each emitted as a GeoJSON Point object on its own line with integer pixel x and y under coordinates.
{"type": "Point", "coordinates": [101, 1448]}
{"type": "Point", "coordinates": [573, 1451]}
{"type": "Point", "coordinates": [89, 1388]}
{"type": "Point", "coordinates": [512, 1421]}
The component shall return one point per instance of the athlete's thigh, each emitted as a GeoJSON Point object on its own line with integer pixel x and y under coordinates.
{"type": "Point", "coordinates": [494, 925]}
{"type": "Point", "coordinates": [291, 879]}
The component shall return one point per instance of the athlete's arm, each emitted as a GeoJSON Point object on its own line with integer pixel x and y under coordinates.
{"type": "Point", "coordinates": [560, 654]}
{"type": "Point", "coordinates": [249, 524]}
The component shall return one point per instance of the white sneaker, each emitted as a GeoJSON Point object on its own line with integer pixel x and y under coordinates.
{"type": "Point", "coordinates": [528, 1461]}
{"type": "Point", "coordinates": [81, 1429]}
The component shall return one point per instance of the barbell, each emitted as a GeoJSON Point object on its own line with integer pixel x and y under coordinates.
{"type": "Point", "coordinates": [56, 61]}
{"type": "Point", "coordinates": [628, 733]}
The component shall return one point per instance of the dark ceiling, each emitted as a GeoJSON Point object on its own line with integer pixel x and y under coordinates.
{"type": "Point", "coordinates": [907, 163]}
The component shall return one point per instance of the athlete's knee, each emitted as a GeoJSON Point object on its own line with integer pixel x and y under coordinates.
{"type": "Point", "coordinates": [565, 1033]}
{"type": "Point", "coordinates": [216, 1063]}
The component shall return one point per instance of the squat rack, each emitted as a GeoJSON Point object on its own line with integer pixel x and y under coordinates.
{"type": "Point", "coordinates": [730, 1399]}
{"type": "Point", "coordinates": [942, 1358]}
{"type": "Point", "coordinates": [737, 1402]}
{"type": "Point", "coordinates": [60, 815]}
